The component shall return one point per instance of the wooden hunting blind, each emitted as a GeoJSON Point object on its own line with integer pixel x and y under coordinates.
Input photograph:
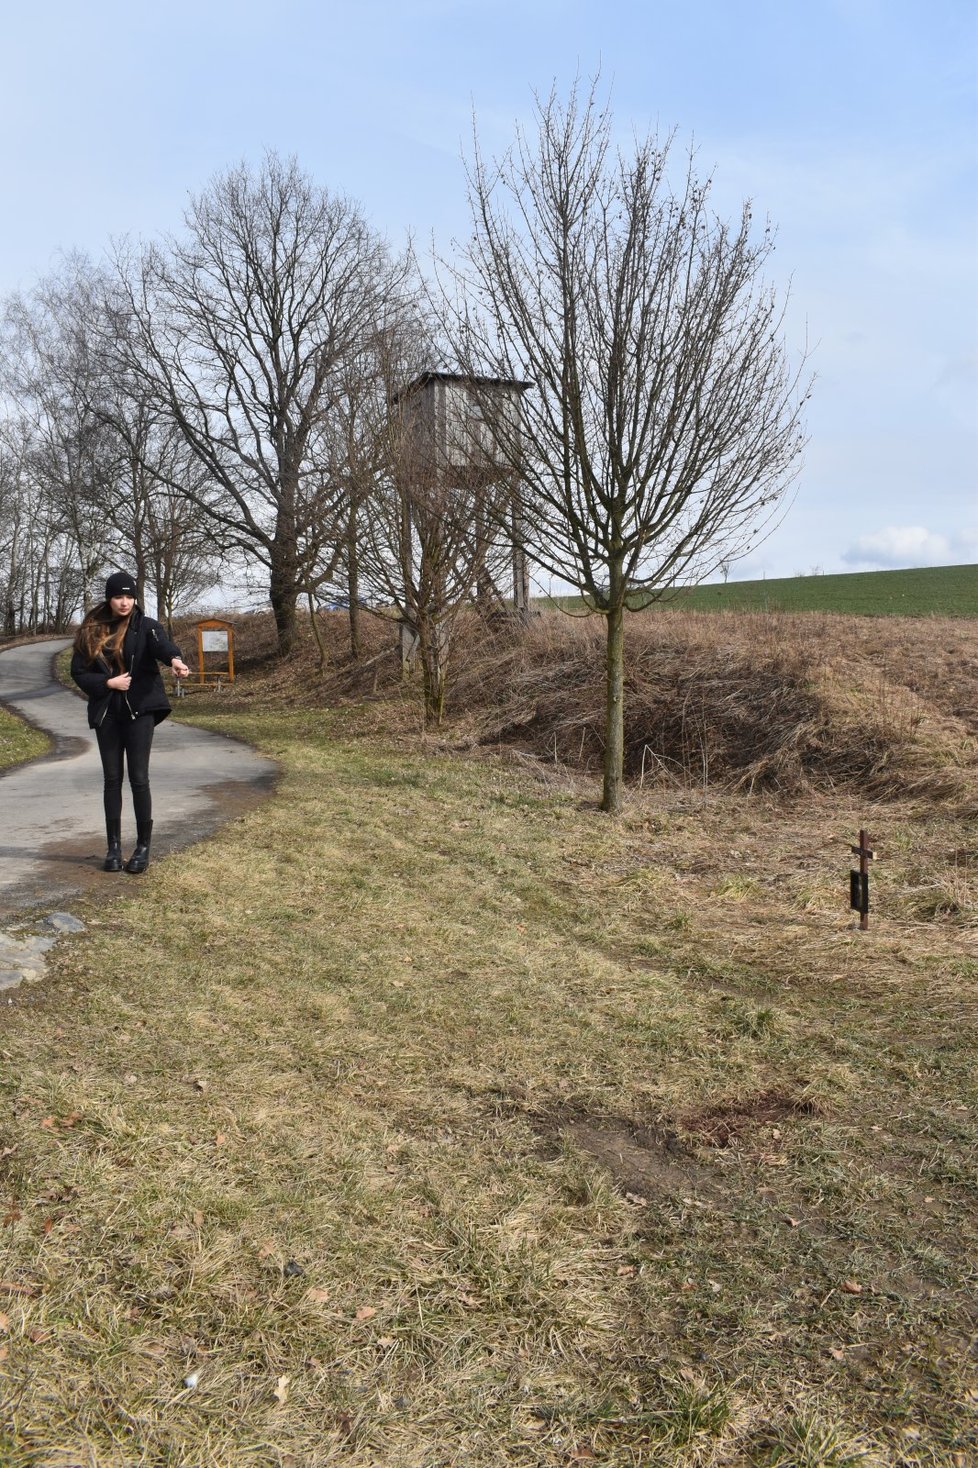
{"type": "Point", "coordinates": [455, 426]}
{"type": "Point", "coordinates": [452, 417]}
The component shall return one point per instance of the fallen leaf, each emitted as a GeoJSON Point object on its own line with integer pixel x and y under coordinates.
{"type": "Point", "coordinates": [317, 1296]}
{"type": "Point", "coordinates": [625, 1271]}
{"type": "Point", "coordinates": [12, 1215]}
{"type": "Point", "coordinates": [851, 1287]}
{"type": "Point", "coordinates": [48, 1122]}
{"type": "Point", "coordinates": [266, 1249]}
{"type": "Point", "coordinates": [385, 1340]}
{"type": "Point", "coordinates": [281, 1392]}
{"type": "Point", "coordinates": [130, 1079]}
{"type": "Point", "coordinates": [48, 1225]}
{"type": "Point", "coordinates": [837, 1353]}
{"type": "Point", "coordinates": [366, 1312]}
{"type": "Point", "coordinates": [220, 1139]}
{"type": "Point", "coordinates": [4, 1352]}
{"type": "Point", "coordinates": [4, 1322]}
{"type": "Point", "coordinates": [791, 1222]}
{"type": "Point", "coordinates": [198, 1217]}
{"type": "Point", "coordinates": [637, 1200]}
{"type": "Point", "coordinates": [71, 1118]}
{"type": "Point", "coordinates": [37, 1335]}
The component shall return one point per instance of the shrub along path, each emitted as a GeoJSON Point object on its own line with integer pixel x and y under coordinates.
{"type": "Point", "coordinates": [422, 1116]}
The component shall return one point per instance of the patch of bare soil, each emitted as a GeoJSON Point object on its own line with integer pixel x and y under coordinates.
{"type": "Point", "coordinates": [719, 1124]}
{"type": "Point", "coordinates": [644, 1162]}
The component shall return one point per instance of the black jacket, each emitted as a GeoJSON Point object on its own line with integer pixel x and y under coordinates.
{"type": "Point", "coordinates": [145, 647]}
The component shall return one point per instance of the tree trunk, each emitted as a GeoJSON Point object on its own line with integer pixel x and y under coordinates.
{"type": "Point", "coordinates": [430, 639]}
{"type": "Point", "coordinates": [316, 632]}
{"type": "Point", "coordinates": [614, 748]}
{"type": "Point", "coordinates": [283, 590]}
{"type": "Point", "coordinates": [353, 582]}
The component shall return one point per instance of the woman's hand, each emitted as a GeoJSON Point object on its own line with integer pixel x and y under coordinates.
{"type": "Point", "coordinates": [180, 668]}
{"type": "Point", "coordinates": [121, 681]}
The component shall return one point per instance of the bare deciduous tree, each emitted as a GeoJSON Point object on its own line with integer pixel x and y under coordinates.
{"type": "Point", "coordinates": [663, 424]}
{"type": "Point", "coordinates": [243, 327]}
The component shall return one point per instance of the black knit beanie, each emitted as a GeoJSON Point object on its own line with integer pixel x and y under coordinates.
{"type": "Point", "coordinates": [120, 583]}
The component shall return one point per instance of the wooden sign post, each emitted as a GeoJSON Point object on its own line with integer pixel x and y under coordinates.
{"type": "Point", "coordinates": [859, 880]}
{"type": "Point", "coordinates": [217, 639]}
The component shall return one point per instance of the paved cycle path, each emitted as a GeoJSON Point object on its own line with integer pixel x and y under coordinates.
{"type": "Point", "coordinates": [52, 830]}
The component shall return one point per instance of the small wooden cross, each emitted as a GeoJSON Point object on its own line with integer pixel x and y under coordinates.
{"type": "Point", "coordinates": [859, 881]}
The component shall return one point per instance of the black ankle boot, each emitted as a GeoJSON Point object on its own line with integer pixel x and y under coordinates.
{"type": "Point", "coordinates": [139, 860]}
{"type": "Point", "coordinates": [113, 854]}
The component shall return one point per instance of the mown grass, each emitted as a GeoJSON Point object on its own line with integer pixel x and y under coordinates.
{"type": "Point", "coordinates": [944, 591]}
{"type": "Point", "coordinates": [19, 741]}
{"type": "Point", "coordinates": [425, 1117]}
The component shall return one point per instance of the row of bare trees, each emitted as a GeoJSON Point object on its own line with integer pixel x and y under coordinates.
{"type": "Point", "coordinates": [88, 467]}
{"type": "Point", "coordinates": [618, 407]}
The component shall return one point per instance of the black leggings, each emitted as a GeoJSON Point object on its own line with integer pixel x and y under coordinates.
{"type": "Point", "coordinates": [134, 739]}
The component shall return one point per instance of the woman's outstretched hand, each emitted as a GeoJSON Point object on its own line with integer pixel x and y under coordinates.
{"type": "Point", "coordinates": [180, 668]}
{"type": "Point", "coordinates": [121, 681]}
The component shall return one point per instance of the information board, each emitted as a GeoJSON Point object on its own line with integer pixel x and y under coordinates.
{"type": "Point", "coordinates": [215, 639]}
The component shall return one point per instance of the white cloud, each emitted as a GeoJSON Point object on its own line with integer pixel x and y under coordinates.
{"type": "Point", "coordinates": [910, 545]}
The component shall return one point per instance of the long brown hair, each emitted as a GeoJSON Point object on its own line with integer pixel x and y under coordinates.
{"type": "Point", "coordinates": [102, 634]}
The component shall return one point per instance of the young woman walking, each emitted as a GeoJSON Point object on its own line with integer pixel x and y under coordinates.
{"type": "Point", "coordinates": [116, 663]}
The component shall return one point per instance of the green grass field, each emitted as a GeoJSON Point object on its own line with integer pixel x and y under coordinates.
{"type": "Point", "coordinates": [941, 591]}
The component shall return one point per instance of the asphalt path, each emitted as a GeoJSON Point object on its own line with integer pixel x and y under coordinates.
{"type": "Point", "coordinates": [52, 830]}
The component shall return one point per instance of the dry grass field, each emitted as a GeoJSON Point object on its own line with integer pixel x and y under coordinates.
{"type": "Point", "coordinates": [424, 1117]}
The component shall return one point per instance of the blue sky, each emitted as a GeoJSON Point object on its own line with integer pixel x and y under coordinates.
{"type": "Point", "coordinates": [852, 123]}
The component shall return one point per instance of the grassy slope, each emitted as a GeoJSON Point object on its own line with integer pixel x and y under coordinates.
{"type": "Point", "coordinates": [395, 1112]}
{"type": "Point", "coordinates": [947, 591]}
{"type": "Point", "coordinates": [19, 741]}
